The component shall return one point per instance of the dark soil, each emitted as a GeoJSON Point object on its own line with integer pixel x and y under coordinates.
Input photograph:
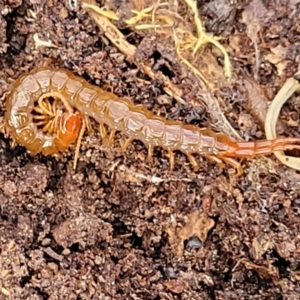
{"type": "Point", "coordinates": [122, 228]}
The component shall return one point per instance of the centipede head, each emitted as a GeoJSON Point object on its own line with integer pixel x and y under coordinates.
{"type": "Point", "coordinates": [70, 126]}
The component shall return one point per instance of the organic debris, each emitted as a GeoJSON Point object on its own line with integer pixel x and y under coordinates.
{"type": "Point", "coordinates": [122, 228]}
{"type": "Point", "coordinates": [170, 25]}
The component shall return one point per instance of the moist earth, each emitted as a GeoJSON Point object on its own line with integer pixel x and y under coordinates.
{"type": "Point", "coordinates": [120, 227]}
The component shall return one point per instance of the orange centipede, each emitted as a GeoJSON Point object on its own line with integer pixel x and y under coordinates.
{"type": "Point", "coordinates": [83, 100]}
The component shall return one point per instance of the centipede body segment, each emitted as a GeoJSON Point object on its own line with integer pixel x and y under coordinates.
{"type": "Point", "coordinates": [83, 100]}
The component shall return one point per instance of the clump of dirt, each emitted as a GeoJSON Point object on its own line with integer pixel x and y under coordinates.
{"type": "Point", "coordinates": [120, 227]}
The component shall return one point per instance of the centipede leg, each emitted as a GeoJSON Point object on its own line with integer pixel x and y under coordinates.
{"type": "Point", "coordinates": [49, 127]}
{"type": "Point", "coordinates": [88, 124]}
{"type": "Point", "coordinates": [234, 163]}
{"type": "Point", "coordinates": [45, 63]}
{"type": "Point", "coordinates": [45, 105]}
{"type": "Point", "coordinates": [38, 110]}
{"type": "Point", "coordinates": [51, 108]}
{"type": "Point", "coordinates": [78, 143]}
{"type": "Point", "coordinates": [108, 88]}
{"type": "Point", "coordinates": [126, 144]}
{"type": "Point", "coordinates": [40, 118]}
{"type": "Point", "coordinates": [193, 162]}
{"type": "Point", "coordinates": [5, 129]}
{"type": "Point", "coordinates": [171, 159]}
{"type": "Point", "coordinates": [13, 143]}
{"type": "Point", "coordinates": [216, 160]}
{"type": "Point", "coordinates": [111, 138]}
{"type": "Point", "coordinates": [41, 123]}
{"type": "Point", "coordinates": [150, 153]}
{"type": "Point", "coordinates": [102, 130]}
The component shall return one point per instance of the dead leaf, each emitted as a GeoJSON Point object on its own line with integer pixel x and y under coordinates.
{"type": "Point", "coordinates": [260, 246]}
{"type": "Point", "coordinates": [269, 272]}
{"type": "Point", "coordinates": [257, 99]}
{"type": "Point", "coordinates": [199, 225]}
{"type": "Point", "coordinates": [176, 286]}
{"type": "Point", "coordinates": [255, 15]}
{"type": "Point", "coordinates": [277, 58]}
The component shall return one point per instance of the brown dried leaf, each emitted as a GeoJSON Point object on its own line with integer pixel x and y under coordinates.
{"type": "Point", "coordinates": [257, 100]}
{"type": "Point", "coordinates": [83, 230]}
{"type": "Point", "coordinates": [293, 3]}
{"type": "Point", "coordinates": [199, 225]}
{"type": "Point", "coordinates": [285, 249]}
{"type": "Point", "coordinates": [269, 271]}
{"type": "Point", "coordinates": [176, 286]}
{"type": "Point", "coordinates": [255, 15]}
{"type": "Point", "coordinates": [260, 246]}
{"type": "Point", "coordinates": [277, 58]}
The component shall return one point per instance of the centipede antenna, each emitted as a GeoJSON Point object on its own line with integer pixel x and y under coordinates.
{"type": "Point", "coordinates": [80, 136]}
{"type": "Point", "coordinates": [66, 103]}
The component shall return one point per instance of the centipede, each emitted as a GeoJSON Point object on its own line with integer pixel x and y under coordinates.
{"type": "Point", "coordinates": [49, 128]}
